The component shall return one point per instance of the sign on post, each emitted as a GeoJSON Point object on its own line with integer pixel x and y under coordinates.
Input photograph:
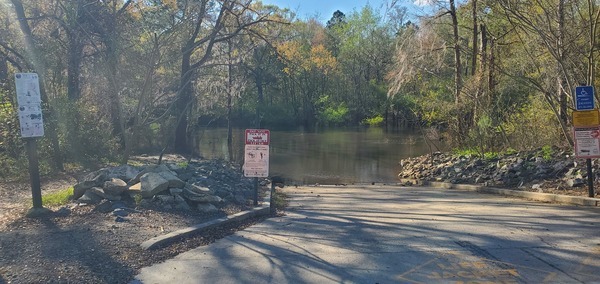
{"type": "Point", "coordinates": [29, 105]}
{"type": "Point", "coordinates": [584, 98]}
{"type": "Point", "coordinates": [586, 118]}
{"type": "Point", "coordinates": [256, 153]}
{"type": "Point", "coordinates": [587, 142]}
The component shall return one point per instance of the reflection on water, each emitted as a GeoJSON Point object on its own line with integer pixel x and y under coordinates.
{"type": "Point", "coordinates": [335, 156]}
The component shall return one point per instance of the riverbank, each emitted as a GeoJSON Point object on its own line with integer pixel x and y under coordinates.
{"type": "Point", "coordinates": [547, 170]}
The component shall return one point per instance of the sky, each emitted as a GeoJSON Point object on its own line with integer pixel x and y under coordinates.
{"type": "Point", "coordinates": [324, 9]}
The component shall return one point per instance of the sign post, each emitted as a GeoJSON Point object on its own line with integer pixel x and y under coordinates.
{"type": "Point", "coordinates": [256, 156]}
{"type": "Point", "coordinates": [32, 126]}
{"type": "Point", "coordinates": [586, 130]}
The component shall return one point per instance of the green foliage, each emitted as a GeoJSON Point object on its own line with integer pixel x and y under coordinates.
{"type": "Point", "coordinates": [332, 113]}
{"type": "Point", "coordinates": [533, 126]}
{"type": "Point", "coordinates": [374, 121]}
{"type": "Point", "coordinates": [137, 198]}
{"type": "Point", "coordinates": [87, 136]}
{"type": "Point", "coordinates": [547, 152]}
{"type": "Point", "coordinates": [58, 198]}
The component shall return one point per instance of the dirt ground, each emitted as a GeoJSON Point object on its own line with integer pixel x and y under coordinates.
{"type": "Point", "coordinates": [81, 244]}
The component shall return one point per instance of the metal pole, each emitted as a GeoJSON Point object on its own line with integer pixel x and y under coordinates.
{"type": "Point", "coordinates": [590, 178]}
{"type": "Point", "coordinates": [255, 191]}
{"type": "Point", "coordinates": [34, 172]}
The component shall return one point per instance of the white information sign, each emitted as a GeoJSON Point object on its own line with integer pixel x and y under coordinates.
{"type": "Point", "coordinates": [30, 105]}
{"type": "Point", "coordinates": [256, 161]}
{"type": "Point", "coordinates": [587, 142]}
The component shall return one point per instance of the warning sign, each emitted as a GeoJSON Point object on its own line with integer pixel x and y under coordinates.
{"type": "Point", "coordinates": [587, 142]}
{"type": "Point", "coordinates": [256, 161]}
{"type": "Point", "coordinates": [257, 136]}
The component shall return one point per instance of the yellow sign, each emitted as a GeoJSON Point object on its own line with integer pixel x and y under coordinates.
{"type": "Point", "coordinates": [586, 118]}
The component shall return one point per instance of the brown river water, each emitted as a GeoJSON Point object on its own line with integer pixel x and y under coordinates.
{"type": "Point", "coordinates": [330, 156]}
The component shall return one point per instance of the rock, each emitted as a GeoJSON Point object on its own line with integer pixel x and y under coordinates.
{"type": "Point", "coordinates": [90, 180]}
{"type": "Point", "coordinates": [149, 169]}
{"type": "Point", "coordinates": [104, 207]}
{"type": "Point", "coordinates": [181, 204]}
{"type": "Point", "coordinates": [124, 172]}
{"type": "Point", "coordinates": [120, 219]}
{"type": "Point", "coordinates": [136, 188]}
{"type": "Point", "coordinates": [120, 212]}
{"type": "Point", "coordinates": [102, 193]}
{"type": "Point", "coordinates": [62, 212]}
{"type": "Point", "coordinates": [202, 198]}
{"type": "Point", "coordinates": [89, 197]}
{"type": "Point", "coordinates": [577, 182]}
{"type": "Point", "coordinates": [152, 184]}
{"type": "Point", "coordinates": [174, 181]}
{"type": "Point", "coordinates": [196, 189]}
{"type": "Point", "coordinates": [175, 191]}
{"type": "Point", "coordinates": [165, 199]}
{"type": "Point", "coordinates": [115, 186]}
{"type": "Point", "coordinates": [536, 186]}
{"type": "Point", "coordinates": [207, 208]}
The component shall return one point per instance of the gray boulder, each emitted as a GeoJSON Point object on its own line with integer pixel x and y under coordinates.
{"type": "Point", "coordinates": [105, 195]}
{"type": "Point", "coordinates": [90, 180]}
{"type": "Point", "coordinates": [149, 169]}
{"type": "Point", "coordinates": [174, 181]}
{"type": "Point", "coordinates": [202, 198]}
{"type": "Point", "coordinates": [124, 172]}
{"type": "Point", "coordinates": [115, 186]}
{"type": "Point", "coordinates": [152, 184]}
{"type": "Point", "coordinates": [89, 197]}
{"type": "Point", "coordinates": [207, 208]}
{"type": "Point", "coordinates": [196, 189]}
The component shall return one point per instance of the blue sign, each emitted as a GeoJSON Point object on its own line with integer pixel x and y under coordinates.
{"type": "Point", "coordinates": [584, 98]}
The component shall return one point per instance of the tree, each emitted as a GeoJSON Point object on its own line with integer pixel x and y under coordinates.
{"type": "Point", "coordinates": [207, 20]}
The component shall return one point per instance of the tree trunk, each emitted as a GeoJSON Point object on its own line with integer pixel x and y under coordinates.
{"type": "Point", "coordinates": [49, 112]}
{"type": "Point", "coordinates": [229, 101]}
{"type": "Point", "coordinates": [180, 144]}
{"type": "Point", "coordinates": [562, 93]}
{"type": "Point", "coordinates": [475, 39]}
{"type": "Point", "coordinates": [457, 62]}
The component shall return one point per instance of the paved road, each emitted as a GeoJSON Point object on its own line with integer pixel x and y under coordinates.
{"type": "Point", "coordinates": [380, 234]}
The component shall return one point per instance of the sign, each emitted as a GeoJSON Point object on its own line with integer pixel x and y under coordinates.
{"type": "Point", "coordinates": [256, 161]}
{"type": "Point", "coordinates": [257, 136]}
{"type": "Point", "coordinates": [256, 153]}
{"type": "Point", "coordinates": [587, 142]}
{"type": "Point", "coordinates": [586, 118]}
{"type": "Point", "coordinates": [30, 105]}
{"type": "Point", "coordinates": [584, 98]}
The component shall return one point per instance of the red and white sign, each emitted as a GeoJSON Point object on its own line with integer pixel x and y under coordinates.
{"type": "Point", "coordinates": [587, 142]}
{"type": "Point", "coordinates": [256, 153]}
{"type": "Point", "coordinates": [257, 136]}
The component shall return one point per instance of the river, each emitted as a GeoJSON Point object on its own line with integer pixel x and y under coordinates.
{"type": "Point", "coordinates": [332, 156]}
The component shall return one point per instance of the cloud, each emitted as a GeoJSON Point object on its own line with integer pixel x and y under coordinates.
{"type": "Point", "coordinates": [423, 2]}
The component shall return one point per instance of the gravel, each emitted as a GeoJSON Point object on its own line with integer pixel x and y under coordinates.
{"type": "Point", "coordinates": [87, 246]}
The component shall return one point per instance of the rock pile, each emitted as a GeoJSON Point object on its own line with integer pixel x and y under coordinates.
{"type": "Point", "coordinates": [532, 169]}
{"type": "Point", "coordinates": [202, 185]}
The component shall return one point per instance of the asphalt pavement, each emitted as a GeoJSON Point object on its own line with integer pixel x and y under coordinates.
{"type": "Point", "coordinates": [388, 234]}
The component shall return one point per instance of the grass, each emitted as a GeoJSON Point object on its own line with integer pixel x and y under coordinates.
{"type": "Point", "coordinates": [57, 198]}
{"type": "Point", "coordinates": [280, 200]}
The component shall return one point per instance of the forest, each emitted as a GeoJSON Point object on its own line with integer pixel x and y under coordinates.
{"type": "Point", "coordinates": [124, 77]}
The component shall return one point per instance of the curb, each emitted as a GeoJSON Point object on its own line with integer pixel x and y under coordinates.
{"type": "Point", "coordinates": [545, 197]}
{"type": "Point", "coordinates": [171, 237]}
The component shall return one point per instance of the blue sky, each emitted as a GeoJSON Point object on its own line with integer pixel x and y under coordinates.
{"type": "Point", "coordinates": [324, 8]}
